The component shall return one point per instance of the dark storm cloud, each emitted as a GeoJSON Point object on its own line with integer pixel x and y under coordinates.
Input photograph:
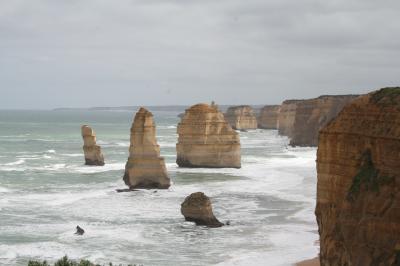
{"type": "Point", "coordinates": [130, 52]}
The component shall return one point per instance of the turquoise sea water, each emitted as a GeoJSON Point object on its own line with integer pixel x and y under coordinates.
{"type": "Point", "coordinates": [45, 191]}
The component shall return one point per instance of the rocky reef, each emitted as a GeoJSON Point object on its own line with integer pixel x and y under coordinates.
{"type": "Point", "coordinates": [241, 117]}
{"type": "Point", "coordinates": [197, 208]}
{"type": "Point", "coordinates": [313, 114]}
{"type": "Point", "coordinates": [268, 117]}
{"type": "Point", "coordinates": [207, 140]}
{"type": "Point", "coordinates": [358, 190]}
{"type": "Point", "coordinates": [145, 168]}
{"type": "Point", "coordinates": [92, 151]}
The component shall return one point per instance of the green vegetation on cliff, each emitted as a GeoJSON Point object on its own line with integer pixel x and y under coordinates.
{"type": "Point", "coordinates": [64, 261]}
{"type": "Point", "coordinates": [367, 176]}
{"type": "Point", "coordinates": [389, 95]}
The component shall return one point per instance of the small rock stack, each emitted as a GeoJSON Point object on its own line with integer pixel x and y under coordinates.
{"type": "Point", "coordinates": [197, 208]}
{"type": "Point", "coordinates": [92, 151]}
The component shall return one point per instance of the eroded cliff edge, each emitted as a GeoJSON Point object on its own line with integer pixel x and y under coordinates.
{"type": "Point", "coordinates": [313, 114]}
{"type": "Point", "coordinates": [268, 117]}
{"type": "Point", "coordinates": [241, 117]}
{"type": "Point", "coordinates": [358, 198]}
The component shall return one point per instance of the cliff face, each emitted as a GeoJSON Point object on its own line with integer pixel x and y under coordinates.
{"type": "Point", "coordinates": [268, 117]}
{"type": "Point", "coordinates": [92, 151]}
{"type": "Point", "coordinates": [145, 168]}
{"type": "Point", "coordinates": [358, 190]}
{"type": "Point", "coordinates": [286, 117]}
{"type": "Point", "coordinates": [207, 140]}
{"type": "Point", "coordinates": [313, 114]}
{"type": "Point", "coordinates": [241, 117]}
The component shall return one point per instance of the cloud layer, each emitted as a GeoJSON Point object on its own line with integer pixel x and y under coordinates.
{"type": "Point", "coordinates": [151, 52]}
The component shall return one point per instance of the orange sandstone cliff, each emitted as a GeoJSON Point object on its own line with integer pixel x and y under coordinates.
{"type": "Point", "coordinates": [358, 197]}
{"type": "Point", "coordinates": [241, 117]}
{"type": "Point", "coordinates": [268, 117]}
{"type": "Point", "coordinates": [286, 117]}
{"type": "Point", "coordinates": [313, 114]}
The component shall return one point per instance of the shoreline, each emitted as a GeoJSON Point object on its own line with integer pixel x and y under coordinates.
{"type": "Point", "coordinates": [311, 262]}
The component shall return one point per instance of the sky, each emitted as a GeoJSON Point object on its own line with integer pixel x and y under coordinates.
{"type": "Point", "coordinates": [84, 53]}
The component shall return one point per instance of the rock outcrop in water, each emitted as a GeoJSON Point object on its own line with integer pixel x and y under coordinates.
{"type": "Point", "coordinates": [268, 117]}
{"type": "Point", "coordinates": [313, 114]}
{"type": "Point", "coordinates": [241, 117]}
{"type": "Point", "coordinates": [92, 151]}
{"type": "Point", "coordinates": [286, 117]}
{"type": "Point", "coordinates": [197, 208]}
{"type": "Point", "coordinates": [207, 140]}
{"type": "Point", "coordinates": [145, 168]}
{"type": "Point", "coordinates": [358, 191]}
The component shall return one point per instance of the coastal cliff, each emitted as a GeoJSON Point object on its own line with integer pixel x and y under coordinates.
{"type": "Point", "coordinates": [145, 168]}
{"type": "Point", "coordinates": [286, 117]}
{"type": "Point", "coordinates": [313, 114]}
{"type": "Point", "coordinates": [207, 140]}
{"type": "Point", "coordinates": [358, 190]}
{"type": "Point", "coordinates": [268, 117]}
{"type": "Point", "coordinates": [241, 117]}
{"type": "Point", "coordinates": [92, 151]}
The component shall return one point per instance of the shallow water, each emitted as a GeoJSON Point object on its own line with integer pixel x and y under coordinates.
{"type": "Point", "coordinates": [45, 191]}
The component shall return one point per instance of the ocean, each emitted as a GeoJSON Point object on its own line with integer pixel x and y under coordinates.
{"type": "Point", "coordinates": [46, 191]}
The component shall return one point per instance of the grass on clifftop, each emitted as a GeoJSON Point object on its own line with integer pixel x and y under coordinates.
{"type": "Point", "coordinates": [390, 95]}
{"type": "Point", "coordinates": [64, 261]}
{"type": "Point", "coordinates": [367, 176]}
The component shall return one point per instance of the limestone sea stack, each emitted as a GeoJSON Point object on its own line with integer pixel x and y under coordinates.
{"type": "Point", "coordinates": [313, 114]}
{"type": "Point", "coordinates": [358, 190]}
{"type": "Point", "coordinates": [92, 151]}
{"type": "Point", "coordinates": [241, 117]}
{"type": "Point", "coordinates": [197, 208]}
{"type": "Point", "coordinates": [207, 140]}
{"type": "Point", "coordinates": [286, 117]}
{"type": "Point", "coordinates": [145, 168]}
{"type": "Point", "coordinates": [268, 117]}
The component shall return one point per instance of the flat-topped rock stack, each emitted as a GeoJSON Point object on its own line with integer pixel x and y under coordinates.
{"type": "Point", "coordinates": [313, 114]}
{"type": "Point", "coordinates": [241, 117]}
{"type": "Point", "coordinates": [268, 117]}
{"type": "Point", "coordinates": [358, 190]}
{"type": "Point", "coordinates": [92, 151]}
{"type": "Point", "coordinates": [207, 140]}
{"type": "Point", "coordinates": [145, 168]}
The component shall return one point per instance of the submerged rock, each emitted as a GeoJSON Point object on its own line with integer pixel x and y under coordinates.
{"type": "Point", "coordinates": [207, 140]}
{"type": "Point", "coordinates": [145, 168]}
{"type": "Point", "coordinates": [268, 117]}
{"type": "Point", "coordinates": [92, 151]}
{"type": "Point", "coordinates": [241, 117]}
{"type": "Point", "coordinates": [358, 190]}
{"type": "Point", "coordinates": [197, 208]}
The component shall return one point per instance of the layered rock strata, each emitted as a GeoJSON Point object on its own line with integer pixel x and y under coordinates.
{"type": "Point", "coordinates": [286, 117]}
{"type": "Point", "coordinates": [268, 117]}
{"type": "Point", "coordinates": [197, 208]}
{"type": "Point", "coordinates": [92, 151]}
{"type": "Point", "coordinates": [145, 168]}
{"type": "Point", "coordinates": [313, 114]}
{"type": "Point", "coordinates": [358, 190]}
{"type": "Point", "coordinates": [207, 140]}
{"type": "Point", "coordinates": [241, 117]}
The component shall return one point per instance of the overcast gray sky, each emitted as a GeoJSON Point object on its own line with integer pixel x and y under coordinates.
{"type": "Point", "coordinates": [81, 53]}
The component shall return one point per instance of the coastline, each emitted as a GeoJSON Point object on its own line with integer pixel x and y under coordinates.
{"type": "Point", "coordinates": [311, 262]}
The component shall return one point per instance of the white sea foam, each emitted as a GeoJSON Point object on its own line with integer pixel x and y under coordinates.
{"type": "Point", "coordinates": [18, 162]}
{"type": "Point", "coordinates": [51, 151]}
